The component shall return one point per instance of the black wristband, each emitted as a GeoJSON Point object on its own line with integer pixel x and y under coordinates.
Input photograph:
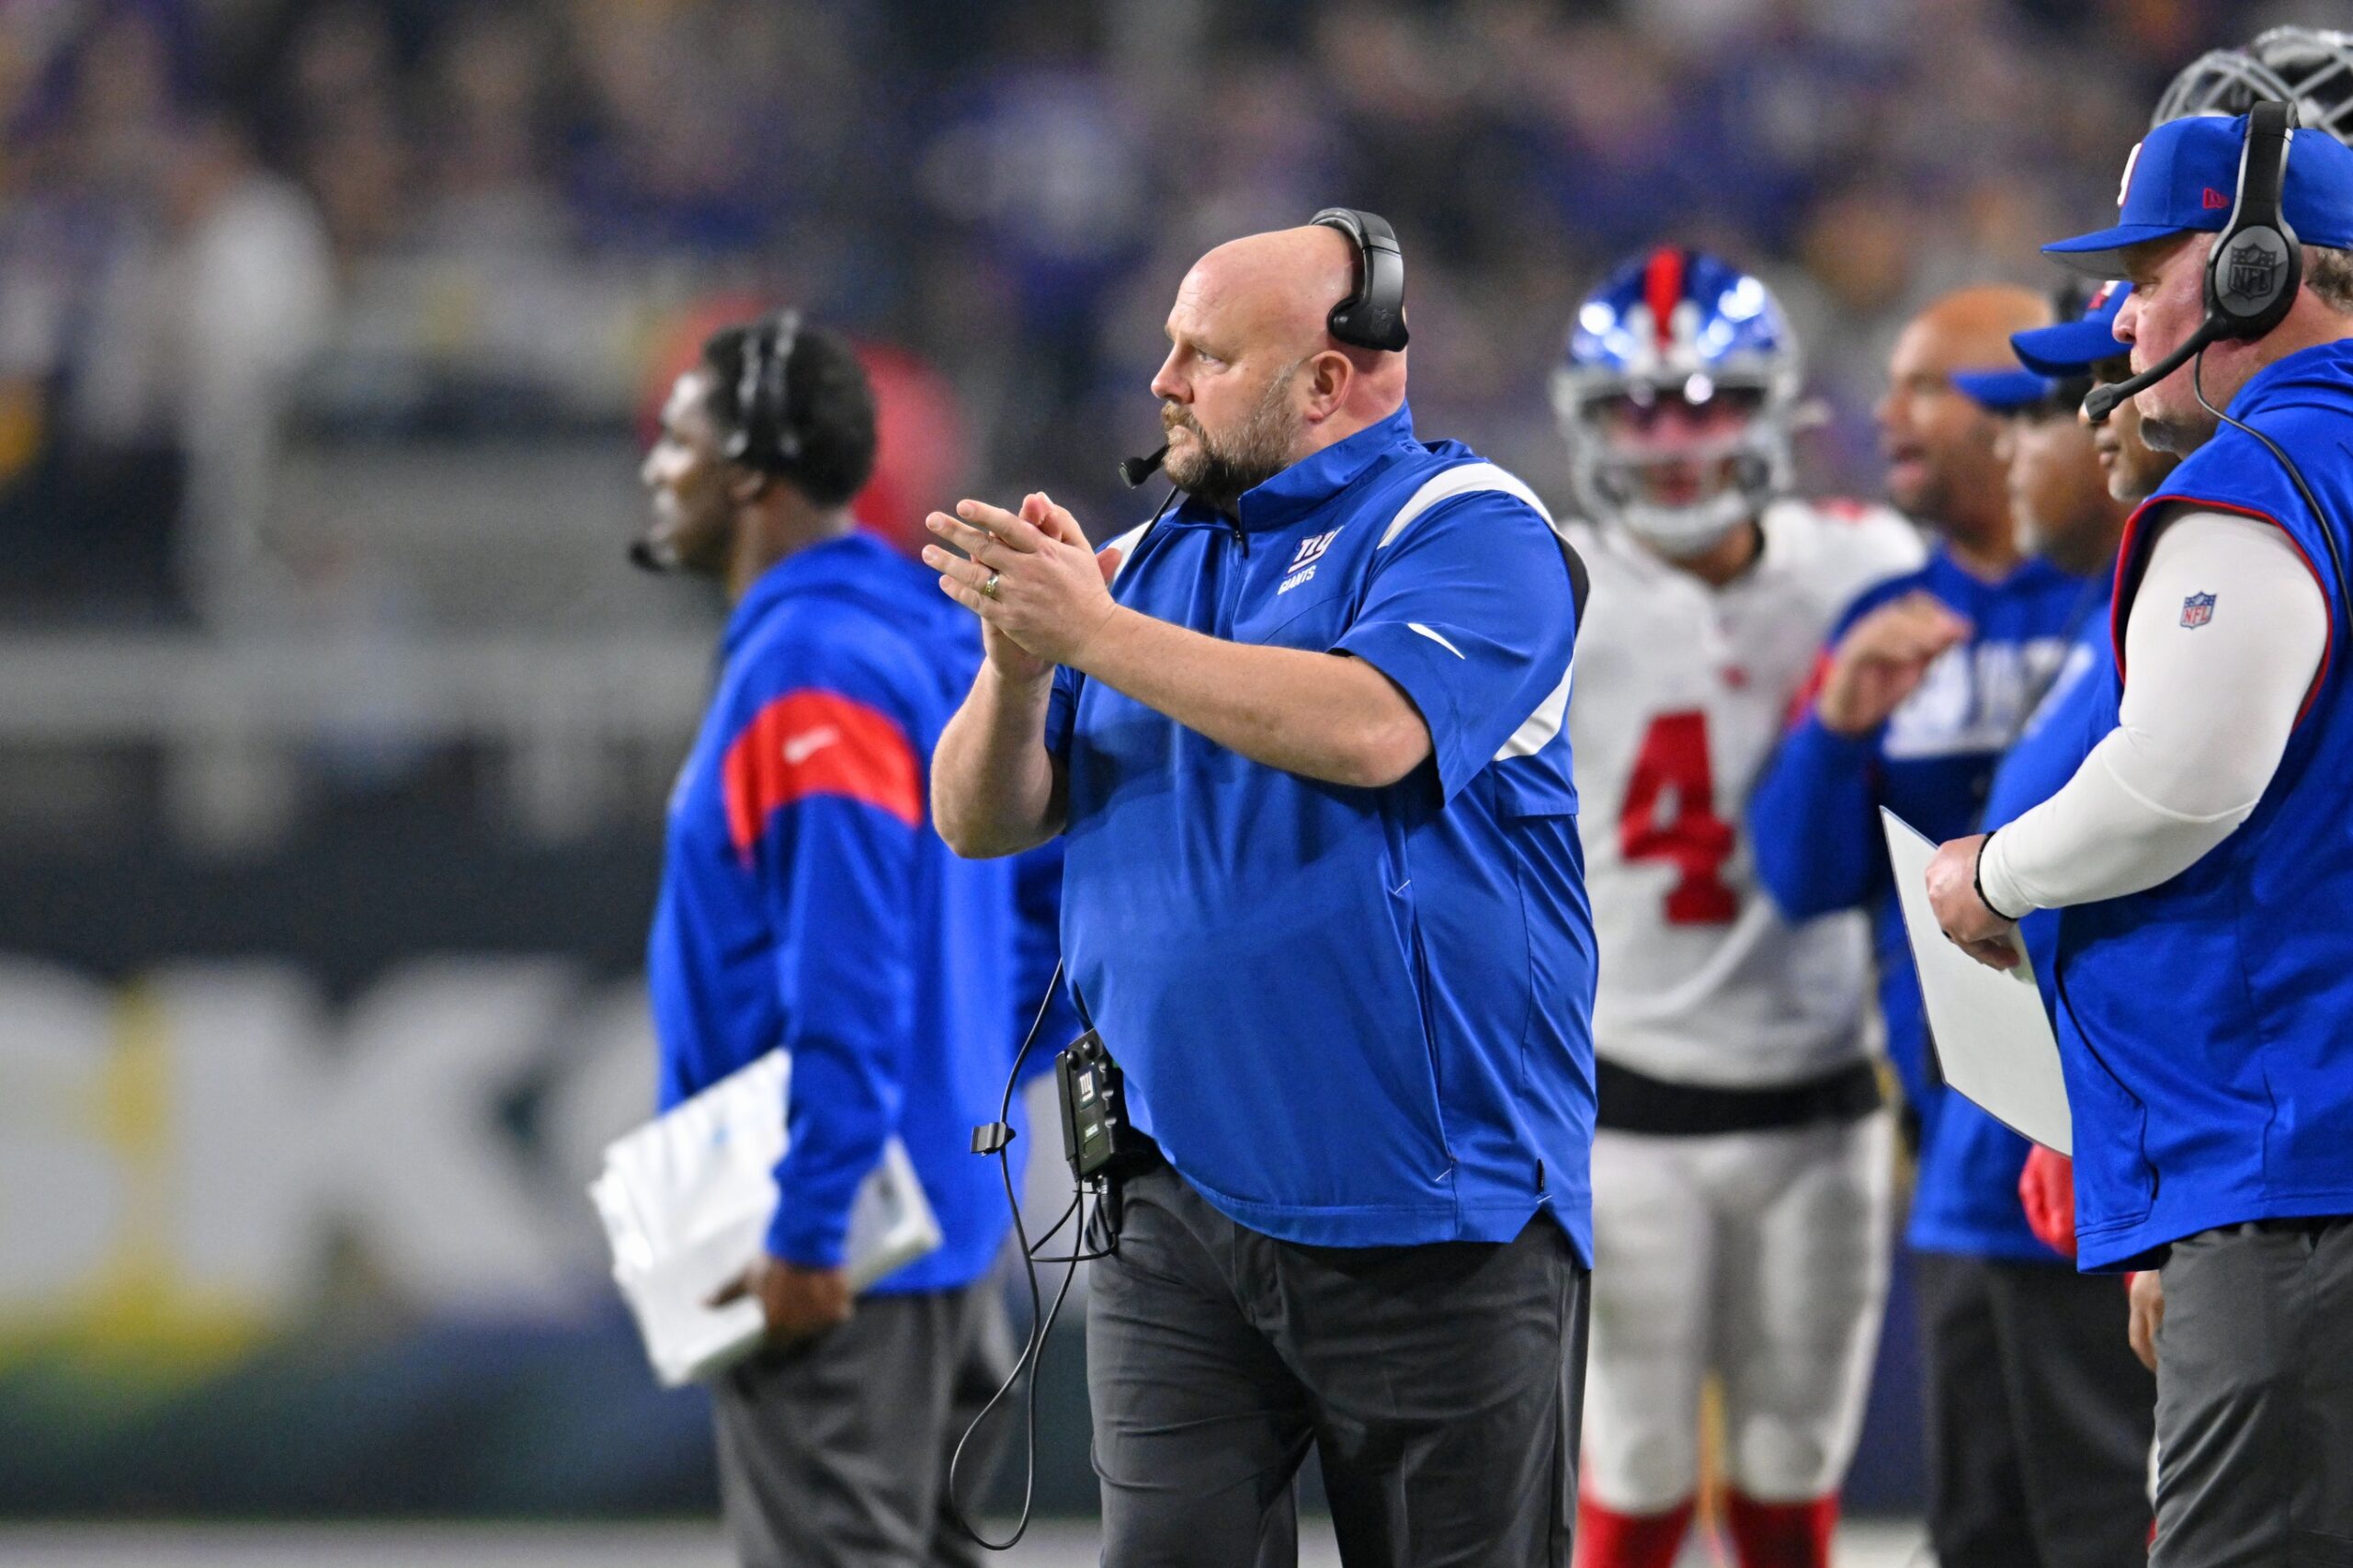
{"type": "Point", "coordinates": [1977, 881]}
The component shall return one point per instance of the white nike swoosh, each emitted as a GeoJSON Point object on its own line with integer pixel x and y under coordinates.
{"type": "Point", "coordinates": [797, 748]}
{"type": "Point", "coordinates": [1435, 637]}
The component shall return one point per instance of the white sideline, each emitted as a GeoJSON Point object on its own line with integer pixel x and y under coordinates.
{"type": "Point", "coordinates": [1057, 1543]}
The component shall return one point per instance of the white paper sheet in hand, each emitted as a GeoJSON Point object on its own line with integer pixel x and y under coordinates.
{"type": "Point", "coordinates": [687, 1199]}
{"type": "Point", "coordinates": [1991, 1035]}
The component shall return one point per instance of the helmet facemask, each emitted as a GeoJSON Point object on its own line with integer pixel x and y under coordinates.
{"type": "Point", "coordinates": [1678, 392]}
{"type": "Point", "coordinates": [1679, 463]}
{"type": "Point", "coordinates": [2309, 67]}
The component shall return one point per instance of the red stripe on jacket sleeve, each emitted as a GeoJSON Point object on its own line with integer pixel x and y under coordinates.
{"type": "Point", "coordinates": [817, 742]}
{"type": "Point", "coordinates": [1802, 704]}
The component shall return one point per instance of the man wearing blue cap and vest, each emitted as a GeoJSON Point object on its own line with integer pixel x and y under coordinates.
{"type": "Point", "coordinates": [2200, 854]}
{"type": "Point", "coordinates": [1325, 902]}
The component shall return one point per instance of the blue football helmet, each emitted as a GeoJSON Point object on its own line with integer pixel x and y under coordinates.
{"type": "Point", "coordinates": [1678, 326]}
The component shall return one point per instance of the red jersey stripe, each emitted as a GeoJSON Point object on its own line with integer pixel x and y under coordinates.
{"type": "Point", "coordinates": [817, 742]}
{"type": "Point", "coordinates": [1803, 703]}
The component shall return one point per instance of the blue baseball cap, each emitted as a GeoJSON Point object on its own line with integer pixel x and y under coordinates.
{"type": "Point", "coordinates": [2075, 347]}
{"type": "Point", "coordinates": [2184, 176]}
{"type": "Point", "coordinates": [2001, 391]}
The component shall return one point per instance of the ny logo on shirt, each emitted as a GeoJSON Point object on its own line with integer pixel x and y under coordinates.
{"type": "Point", "coordinates": [1302, 565]}
{"type": "Point", "coordinates": [1312, 548]}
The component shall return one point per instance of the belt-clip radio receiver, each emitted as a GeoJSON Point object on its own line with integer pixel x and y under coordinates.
{"type": "Point", "coordinates": [1097, 1137]}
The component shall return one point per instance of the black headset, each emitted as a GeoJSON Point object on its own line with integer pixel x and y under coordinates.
{"type": "Point", "coordinates": [764, 436]}
{"type": "Point", "coordinates": [2251, 278]}
{"type": "Point", "coordinates": [2256, 262]}
{"type": "Point", "coordinates": [1373, 315]}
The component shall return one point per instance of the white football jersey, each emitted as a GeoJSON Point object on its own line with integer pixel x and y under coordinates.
{"type": "Point", "coordinates": [1682, 691]}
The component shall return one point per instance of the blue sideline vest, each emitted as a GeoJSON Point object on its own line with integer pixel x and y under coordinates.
{"type": "Point", "coordinates": [2207, 1022]}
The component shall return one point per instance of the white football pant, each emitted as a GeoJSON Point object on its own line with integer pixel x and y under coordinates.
{"type": "Point", "coordinates": [1761, 1256]}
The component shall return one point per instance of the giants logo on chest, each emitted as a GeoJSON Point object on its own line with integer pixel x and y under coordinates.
{"type": "Point", "coordinates": [1302, 565]}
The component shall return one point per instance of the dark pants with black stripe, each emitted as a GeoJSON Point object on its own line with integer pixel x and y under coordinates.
{"type": "Point", "coordinates": [2039, 1415]}
{"type": "Point", "coordinates": [1440, 1385]}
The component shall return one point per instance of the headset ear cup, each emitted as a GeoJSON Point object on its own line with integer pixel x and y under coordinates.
{"type": "Point", "coordinates": [2256, 264]}
{"type": "Point", "coordinates": [2251, 278]}
{"type": "Point", "coordinates": [1373, 313]}
{"type": "Point", "coordinates": [2291, 278]}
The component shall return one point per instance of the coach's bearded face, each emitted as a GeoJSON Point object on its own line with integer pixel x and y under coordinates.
{"type": "Point", "coordinates": [1217, 466]}
{"type": "Point", "coordinates": [1253, 380]}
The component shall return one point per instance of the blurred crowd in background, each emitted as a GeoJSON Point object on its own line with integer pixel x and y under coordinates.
{"type": "Point", "coordinates": [344, 320]}
{"type": "Point", "coordinates": [226, 225]}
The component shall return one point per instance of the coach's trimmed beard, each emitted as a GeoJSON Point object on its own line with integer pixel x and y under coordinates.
{"type": "Point", "coordinates": [1216, 470]}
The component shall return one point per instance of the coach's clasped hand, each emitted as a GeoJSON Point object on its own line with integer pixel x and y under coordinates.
{"type": "Point", "coordinates": [1030, 576]}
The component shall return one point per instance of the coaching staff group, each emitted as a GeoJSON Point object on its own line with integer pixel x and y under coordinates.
{"type": "Point", "coordinates": [1325, 904]}
{"type": "Point", "coordinates": [2200, 857]}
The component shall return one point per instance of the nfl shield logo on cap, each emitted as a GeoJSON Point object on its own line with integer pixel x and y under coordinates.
{"type": "Point", "coordinates": [2197, 610]}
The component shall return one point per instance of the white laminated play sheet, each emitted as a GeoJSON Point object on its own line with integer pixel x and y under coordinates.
{"type": "Point", "coordinates": [1990, 1034]}
{"type": "Point", "coordinates": [687, 1199]}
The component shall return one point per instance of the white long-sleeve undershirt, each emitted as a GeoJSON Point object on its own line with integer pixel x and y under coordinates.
{"type": "Point", "coordinates": [2207, 710]}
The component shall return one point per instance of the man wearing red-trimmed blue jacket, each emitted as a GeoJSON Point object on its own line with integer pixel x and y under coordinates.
{"type": "Point", "coordinates": [1324, 903]}
{"type": "Point", "coordinates": [2199, 857]}
{"type": "Point", "coordinates": [806, 904]}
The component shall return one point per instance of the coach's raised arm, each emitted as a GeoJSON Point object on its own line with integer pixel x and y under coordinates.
{"type": "Point", "coordinates": [1324, 904]}
{"type": "Point", "coordinates": [2200, 856]}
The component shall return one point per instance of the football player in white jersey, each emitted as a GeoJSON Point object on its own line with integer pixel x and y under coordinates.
{"type": "Point", "coordinates": [1741, 1173]}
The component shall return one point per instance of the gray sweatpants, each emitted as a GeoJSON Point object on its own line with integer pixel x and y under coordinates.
{"type": "Point", "coordinates": [2255, 1398]}
{"type": "Point", "coordinates": [833, 1452]}
{"type": "Point", "coordinates": [1440, 1385]}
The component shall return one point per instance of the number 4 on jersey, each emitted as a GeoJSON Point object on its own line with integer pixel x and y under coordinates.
{"type": "Point", "coordinates": [1674, 761]}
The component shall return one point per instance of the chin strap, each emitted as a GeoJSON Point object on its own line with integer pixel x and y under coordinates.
{"type": "Point", "coordinates": [1685, 531]}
